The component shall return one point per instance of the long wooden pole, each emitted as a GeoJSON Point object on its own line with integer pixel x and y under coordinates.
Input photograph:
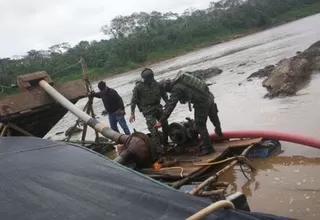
{"type": "Point", "coordinates": [219, 173]}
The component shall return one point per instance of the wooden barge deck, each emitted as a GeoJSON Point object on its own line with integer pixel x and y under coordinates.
{"type": "Point", "coordinates": [32, 111]}
{"type": "Point", "coordinates": [178, 170]}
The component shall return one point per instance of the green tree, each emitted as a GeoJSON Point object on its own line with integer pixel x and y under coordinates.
{"type": "Point", "coordinates": [134, 39]}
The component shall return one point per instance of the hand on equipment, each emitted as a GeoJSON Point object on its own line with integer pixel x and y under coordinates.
{"type": "Point", "coordinates": [91, 94]}
{"type": "Point", "coordinates": [132, 118]}
{"type": "Point", "coordinates": [158, 125]}
{"type": "Point", "coordinates": [218, 131]}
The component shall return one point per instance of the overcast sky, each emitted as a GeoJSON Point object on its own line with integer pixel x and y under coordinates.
{"type": "Point", "coordinates": [38, 24]}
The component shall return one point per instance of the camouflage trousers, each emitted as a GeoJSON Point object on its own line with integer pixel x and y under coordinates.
{"type": "Point", "coordinates": [202, 111]}
{"type": "Point", "coordinates": [156, 139]}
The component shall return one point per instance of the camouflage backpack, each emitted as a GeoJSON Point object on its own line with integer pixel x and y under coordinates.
{"type": "Point", "coordinates": [191, 82]}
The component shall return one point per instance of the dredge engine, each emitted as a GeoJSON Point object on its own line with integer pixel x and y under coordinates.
{"type": "Point", "coordinates": [182, 133]}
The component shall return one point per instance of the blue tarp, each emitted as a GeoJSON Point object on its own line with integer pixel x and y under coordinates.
{"type": "Point", "coordinates": [42, 179]}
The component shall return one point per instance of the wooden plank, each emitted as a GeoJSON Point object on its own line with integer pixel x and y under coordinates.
{"type": "Point", "coordinates": [187, 161]}
{"type": "Point", "coordinates": [238, 143]}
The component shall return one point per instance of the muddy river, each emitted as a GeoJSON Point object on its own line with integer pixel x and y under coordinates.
{"type": "Point", "coordinates": [287, 184]}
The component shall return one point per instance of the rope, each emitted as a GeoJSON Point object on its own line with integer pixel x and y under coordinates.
{"type": "Point", "coordinates": [245, 175]}
{"type": "Point", "coordinates": [2, 87]}
{"type": "Point", "coordinates": [169, 168]}
{"type": "Point", "coordinates": [218, 162]}
{"type": "Point", "coordinates": [7, 87]}
{"type": "Point", "coordinates": [59, 71]}
{"type": "Point", "coordinates": [239, 158]}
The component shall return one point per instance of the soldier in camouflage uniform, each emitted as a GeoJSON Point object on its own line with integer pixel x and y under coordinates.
{"type": "Point", "coordinates": [187, 88]}
{"type": "Point", "coordinates": [147, 96]}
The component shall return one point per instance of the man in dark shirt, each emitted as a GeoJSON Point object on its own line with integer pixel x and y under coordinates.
{"type": "Point", "coordinates": [114, 106]}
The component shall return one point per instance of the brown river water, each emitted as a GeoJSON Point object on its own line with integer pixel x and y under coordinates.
{"type": "Point", "coordinates": [286, 184]}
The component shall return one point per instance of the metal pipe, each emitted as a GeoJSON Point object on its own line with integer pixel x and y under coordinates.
{"type": "Point", "coordinates": [92, 122]}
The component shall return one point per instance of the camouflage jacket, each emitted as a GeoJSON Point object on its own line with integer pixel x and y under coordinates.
{"type": "Point", "coordinates": [183, 93]}
{"type": "Point", "coordinates": [147, 97]}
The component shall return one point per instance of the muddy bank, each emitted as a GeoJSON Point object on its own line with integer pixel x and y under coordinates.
{"type": "Point", "coordinates": [290, 75]}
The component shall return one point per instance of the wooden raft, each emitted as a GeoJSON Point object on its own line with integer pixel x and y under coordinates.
{"type": "Point", "coordinates": [188, 165]}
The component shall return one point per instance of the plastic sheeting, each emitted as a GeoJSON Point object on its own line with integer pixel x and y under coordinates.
{"type": "Point", "coordinates": [41, 179]}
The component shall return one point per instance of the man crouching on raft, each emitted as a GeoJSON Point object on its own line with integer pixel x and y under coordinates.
{"type": "Point", "coordinates": [187, 88]}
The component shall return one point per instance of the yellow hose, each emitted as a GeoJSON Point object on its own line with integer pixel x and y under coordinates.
{"type": "Point", "coordinates": [211, 208]}
{"type": "Point", "coordinates": [205, 164]}
{"type": "Point", "coordinates": [215, 163]}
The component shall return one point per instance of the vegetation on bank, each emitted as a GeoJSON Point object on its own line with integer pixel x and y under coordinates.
{"type": "Point", "coordinates": [141, 38]}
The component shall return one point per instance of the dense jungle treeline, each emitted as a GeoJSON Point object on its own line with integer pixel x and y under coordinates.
{"type": "Point", "coordinates": [139, 38]}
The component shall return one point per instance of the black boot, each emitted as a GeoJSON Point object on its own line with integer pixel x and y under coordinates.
{"type": "Point", "coordinates": [205, 151]}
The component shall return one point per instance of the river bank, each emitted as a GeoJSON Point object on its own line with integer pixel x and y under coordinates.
{"type": "Point", "coordinates": [172, 51]}
{"type": "Point", "coordinates": [198, 44]}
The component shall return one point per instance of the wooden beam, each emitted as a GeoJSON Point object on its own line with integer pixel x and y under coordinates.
{"type": "Point", "coordinates": [22, 131]}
